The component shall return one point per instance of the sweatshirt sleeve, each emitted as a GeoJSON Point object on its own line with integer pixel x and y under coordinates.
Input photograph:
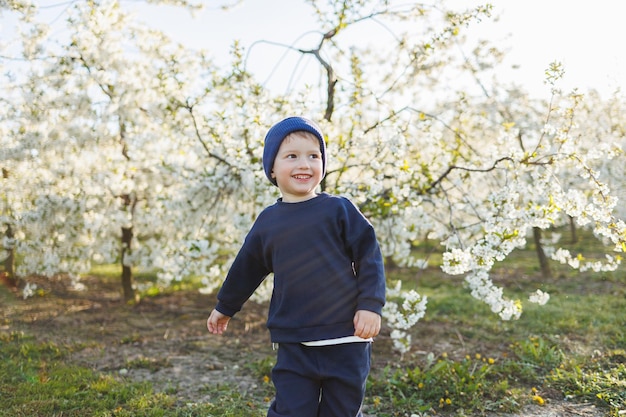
{"type": "Point", "coordinates": [368, 261]}
{"type": "Point", "coordinates": [245, 275]}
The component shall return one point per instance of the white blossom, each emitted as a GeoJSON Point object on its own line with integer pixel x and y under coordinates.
{"type": "Point", "coordinates": [112, 128]}
{"type": "Point", "coordinates": [29, 290]}
{"type": "Point", "coordinates": [539, 297]}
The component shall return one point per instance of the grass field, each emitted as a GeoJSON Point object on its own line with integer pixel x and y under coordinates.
{"type": "Point", "coordinates": [464, 360]}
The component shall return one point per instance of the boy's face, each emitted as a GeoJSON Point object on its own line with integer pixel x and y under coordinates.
{"type": "Point", "coordinates": [298, 167]}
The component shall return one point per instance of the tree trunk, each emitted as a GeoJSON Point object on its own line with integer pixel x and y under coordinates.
{"type": "Point", "coordinates": [127, 273]}
{"type": "Point", "coordinates": [572, 230]}
{"type": "Point", "coordinates": [9, 261]}
{"type": "Point", "coordinates": [543, 259]}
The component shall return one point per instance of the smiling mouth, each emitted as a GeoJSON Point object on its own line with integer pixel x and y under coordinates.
{"type": "Point", "coordinates": [302, 177]}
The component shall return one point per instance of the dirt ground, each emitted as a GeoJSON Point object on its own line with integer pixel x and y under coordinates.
{"type": "Point", "coordinates": [169, 331]}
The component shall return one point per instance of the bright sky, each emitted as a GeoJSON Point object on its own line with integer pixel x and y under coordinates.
{"type": "Point", "coordinates": [586, 36]}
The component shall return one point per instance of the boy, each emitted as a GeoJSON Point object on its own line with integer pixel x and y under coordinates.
{"type": "Point", "coordinates": [329, 283]}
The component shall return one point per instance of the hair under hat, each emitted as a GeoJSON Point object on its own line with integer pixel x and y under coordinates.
{"type": "Point", "coordinates": [279, 131]}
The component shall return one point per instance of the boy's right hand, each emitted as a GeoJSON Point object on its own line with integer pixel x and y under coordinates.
{"type": "Point", "coordinates": [217, 322]}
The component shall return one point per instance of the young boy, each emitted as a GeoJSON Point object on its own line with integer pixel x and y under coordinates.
{"type": "Point", "coordinates": [329, 283]}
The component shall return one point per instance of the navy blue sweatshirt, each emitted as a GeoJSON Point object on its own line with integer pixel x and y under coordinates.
{"type": "Point", "coordinates": [327, 264]}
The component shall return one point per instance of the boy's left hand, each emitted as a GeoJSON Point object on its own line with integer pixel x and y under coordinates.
{"type": "Point", "coordinates": [366, 324]}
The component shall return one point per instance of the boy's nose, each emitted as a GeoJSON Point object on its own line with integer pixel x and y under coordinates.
{"type": "Point", "coordinates": [305, 163]}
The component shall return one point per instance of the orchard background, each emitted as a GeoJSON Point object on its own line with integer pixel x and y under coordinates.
{"type": "Point", "coordinates": [121, 146]}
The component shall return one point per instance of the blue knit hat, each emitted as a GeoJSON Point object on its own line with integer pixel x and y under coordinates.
{"type": "Point", "coordinates": [279, 131]}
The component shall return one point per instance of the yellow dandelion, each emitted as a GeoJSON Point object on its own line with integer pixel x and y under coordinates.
{"type": "Point", "coordinates": [266, 379]}
{"type": "Point", "coordinates": [376, 401]}
{"type": "Point", "coordinates": [448, 401]}
{"type": "Point", "coordinates": [538, 400]}
{"type": "Point", "coordinates": [420, 385]}
{"type": "Point", "coordinates": [444, 355]}
{"type": "Point", "coordinates": [478, 356]}
{"type": "Point", "coordinates": [491, 361]}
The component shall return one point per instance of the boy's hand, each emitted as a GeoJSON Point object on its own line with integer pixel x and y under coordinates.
{"type": "Point", "coordinates": [217, 322]}
{"type": "Point", "coordinates": [366, 324]}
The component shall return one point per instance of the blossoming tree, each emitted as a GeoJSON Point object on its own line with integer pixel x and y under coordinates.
{"type": "Point", "coordinates": [119, 145]}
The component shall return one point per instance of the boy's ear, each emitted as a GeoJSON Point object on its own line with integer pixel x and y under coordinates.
{"type": "Point", "coordinates": [272, 174]}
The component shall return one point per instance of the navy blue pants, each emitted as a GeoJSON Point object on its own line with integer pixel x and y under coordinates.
{"type": "Point", "coordinates": [320, 381]}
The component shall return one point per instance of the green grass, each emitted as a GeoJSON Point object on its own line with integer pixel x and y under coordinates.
{"type": "Point", "coordinates": [504, 381]}
{"type": "Point", "coordinates": [574, 347]}
{"type": "Point", "coordinates": [146, 280]}
{"type": "Point", "coordinates": [571, 347]}
{"type": "Point", "coordinates": [38, 380]}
